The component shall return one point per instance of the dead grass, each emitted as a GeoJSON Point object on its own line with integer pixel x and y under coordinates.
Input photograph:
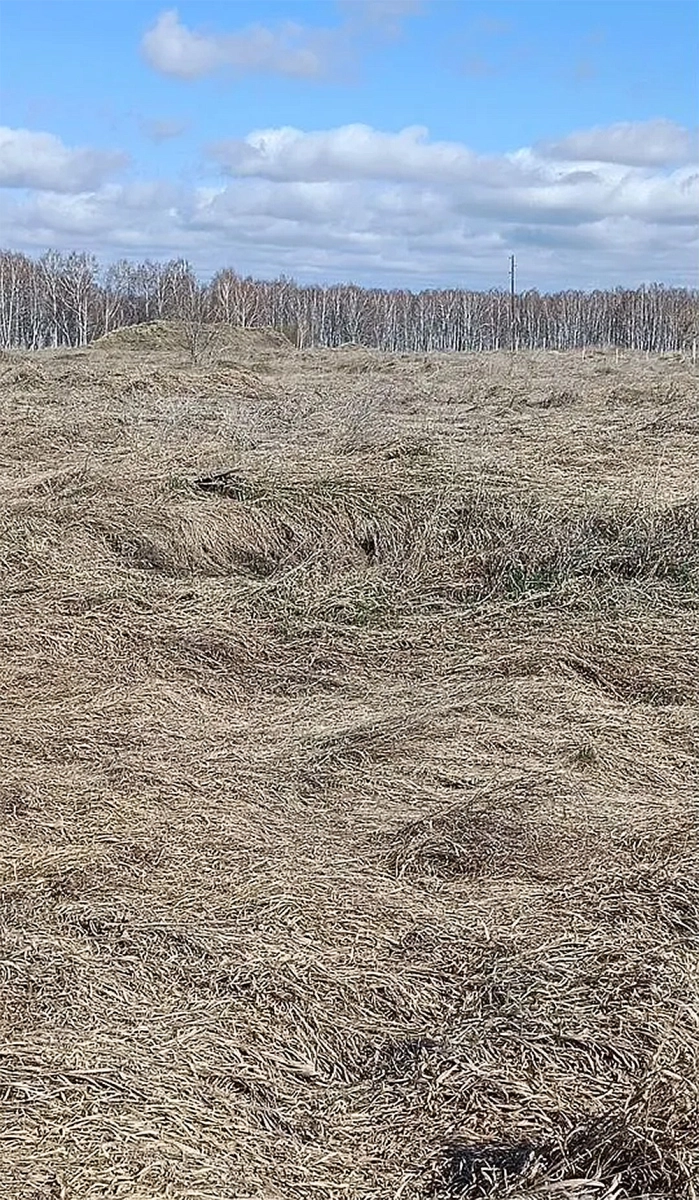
{"type": "Point", "coordinates": [349, 725]}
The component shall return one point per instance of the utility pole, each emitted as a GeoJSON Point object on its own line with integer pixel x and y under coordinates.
{"type": "Point", "coordinates": [513, 304]}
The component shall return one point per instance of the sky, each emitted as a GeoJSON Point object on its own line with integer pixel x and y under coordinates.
{"type": "Point", "coordinates": [391, 143]}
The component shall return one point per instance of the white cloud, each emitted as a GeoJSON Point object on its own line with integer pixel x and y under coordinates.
{"type": "Point", "coordinates": [284, 48]}
{"type": "Point", "coordinates": [656, 143]}
{"type": "Point", "coordinates": [506, 186]}
{"type": "Point", "coordinates": [43, 162]}
{"type": "Point", "coordinates": [388, 209]}
{"type": "Point", "coordinates": [358, 152]}
{"type": "Point", "coordinates": [288, 49]}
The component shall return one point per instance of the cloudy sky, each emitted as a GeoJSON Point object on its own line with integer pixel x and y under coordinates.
{"type": "Point", "coordinates": [407, 143]}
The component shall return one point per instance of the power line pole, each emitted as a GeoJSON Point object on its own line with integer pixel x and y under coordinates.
{"type": "Point", "coordinates": [513, 304]}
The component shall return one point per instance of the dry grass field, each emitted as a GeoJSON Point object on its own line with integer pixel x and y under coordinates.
{"type": "Point", "coordinates": [349, 730]}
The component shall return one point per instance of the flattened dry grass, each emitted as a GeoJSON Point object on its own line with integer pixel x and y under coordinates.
{"type": "Point", "coordinates": [349, 725]}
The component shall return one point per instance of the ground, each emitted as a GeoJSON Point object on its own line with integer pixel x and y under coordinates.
{"type": "Point", "coordinates": [349, 726]}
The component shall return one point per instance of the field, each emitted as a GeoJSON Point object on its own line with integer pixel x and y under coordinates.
{"type": "Point", "coordinates": [349, 728]}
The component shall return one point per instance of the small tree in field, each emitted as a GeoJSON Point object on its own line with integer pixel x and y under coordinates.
{"type": "Point", "coordinates": [193, 304]}
{"type": "Point", "coordinates": [199, 332]}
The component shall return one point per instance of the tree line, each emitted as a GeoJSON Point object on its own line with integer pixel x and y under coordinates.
{"type": "Point", "coordinates": [69, 300]}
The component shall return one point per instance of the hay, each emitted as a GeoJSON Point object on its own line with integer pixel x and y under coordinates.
{"type": "Point", "coordinates": [350, 772]}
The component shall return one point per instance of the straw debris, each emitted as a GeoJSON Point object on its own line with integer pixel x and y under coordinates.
{"type": "Point", "coordinates": [349, 728]}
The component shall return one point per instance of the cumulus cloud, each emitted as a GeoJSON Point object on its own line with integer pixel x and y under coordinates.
{"type": "Point", "coordinates": [521, 183]}
{"type": "Point", "coordinates": [657, 143]}
{"type": "Point", "coordinates": [43, 162]}
{"type": "Point", "coordinates": [287, 49]}
{"type": "Point", "coordinates": [389, 209]}
{"type": "Point", "coordinates": [358, 152]}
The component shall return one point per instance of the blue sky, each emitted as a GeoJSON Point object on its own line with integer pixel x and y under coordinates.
{"type": "Point", "coordinates": [562, 131]}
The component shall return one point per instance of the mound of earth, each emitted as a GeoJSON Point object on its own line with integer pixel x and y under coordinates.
{"type": "Point", "coordinates": [172, 335]}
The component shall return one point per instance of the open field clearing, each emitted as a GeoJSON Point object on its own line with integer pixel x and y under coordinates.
{"type": "Point", "coordinates": [349, 728]}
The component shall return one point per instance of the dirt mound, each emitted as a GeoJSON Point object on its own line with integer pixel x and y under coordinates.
{"type": "Point", "coordinates": [173, 335]}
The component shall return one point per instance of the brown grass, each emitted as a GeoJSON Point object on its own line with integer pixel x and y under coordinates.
{"type": "Point", "coordinates": [349, 727]}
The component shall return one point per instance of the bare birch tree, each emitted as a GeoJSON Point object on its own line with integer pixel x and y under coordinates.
{"type": "Point", "coordinates": [65, 300]}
